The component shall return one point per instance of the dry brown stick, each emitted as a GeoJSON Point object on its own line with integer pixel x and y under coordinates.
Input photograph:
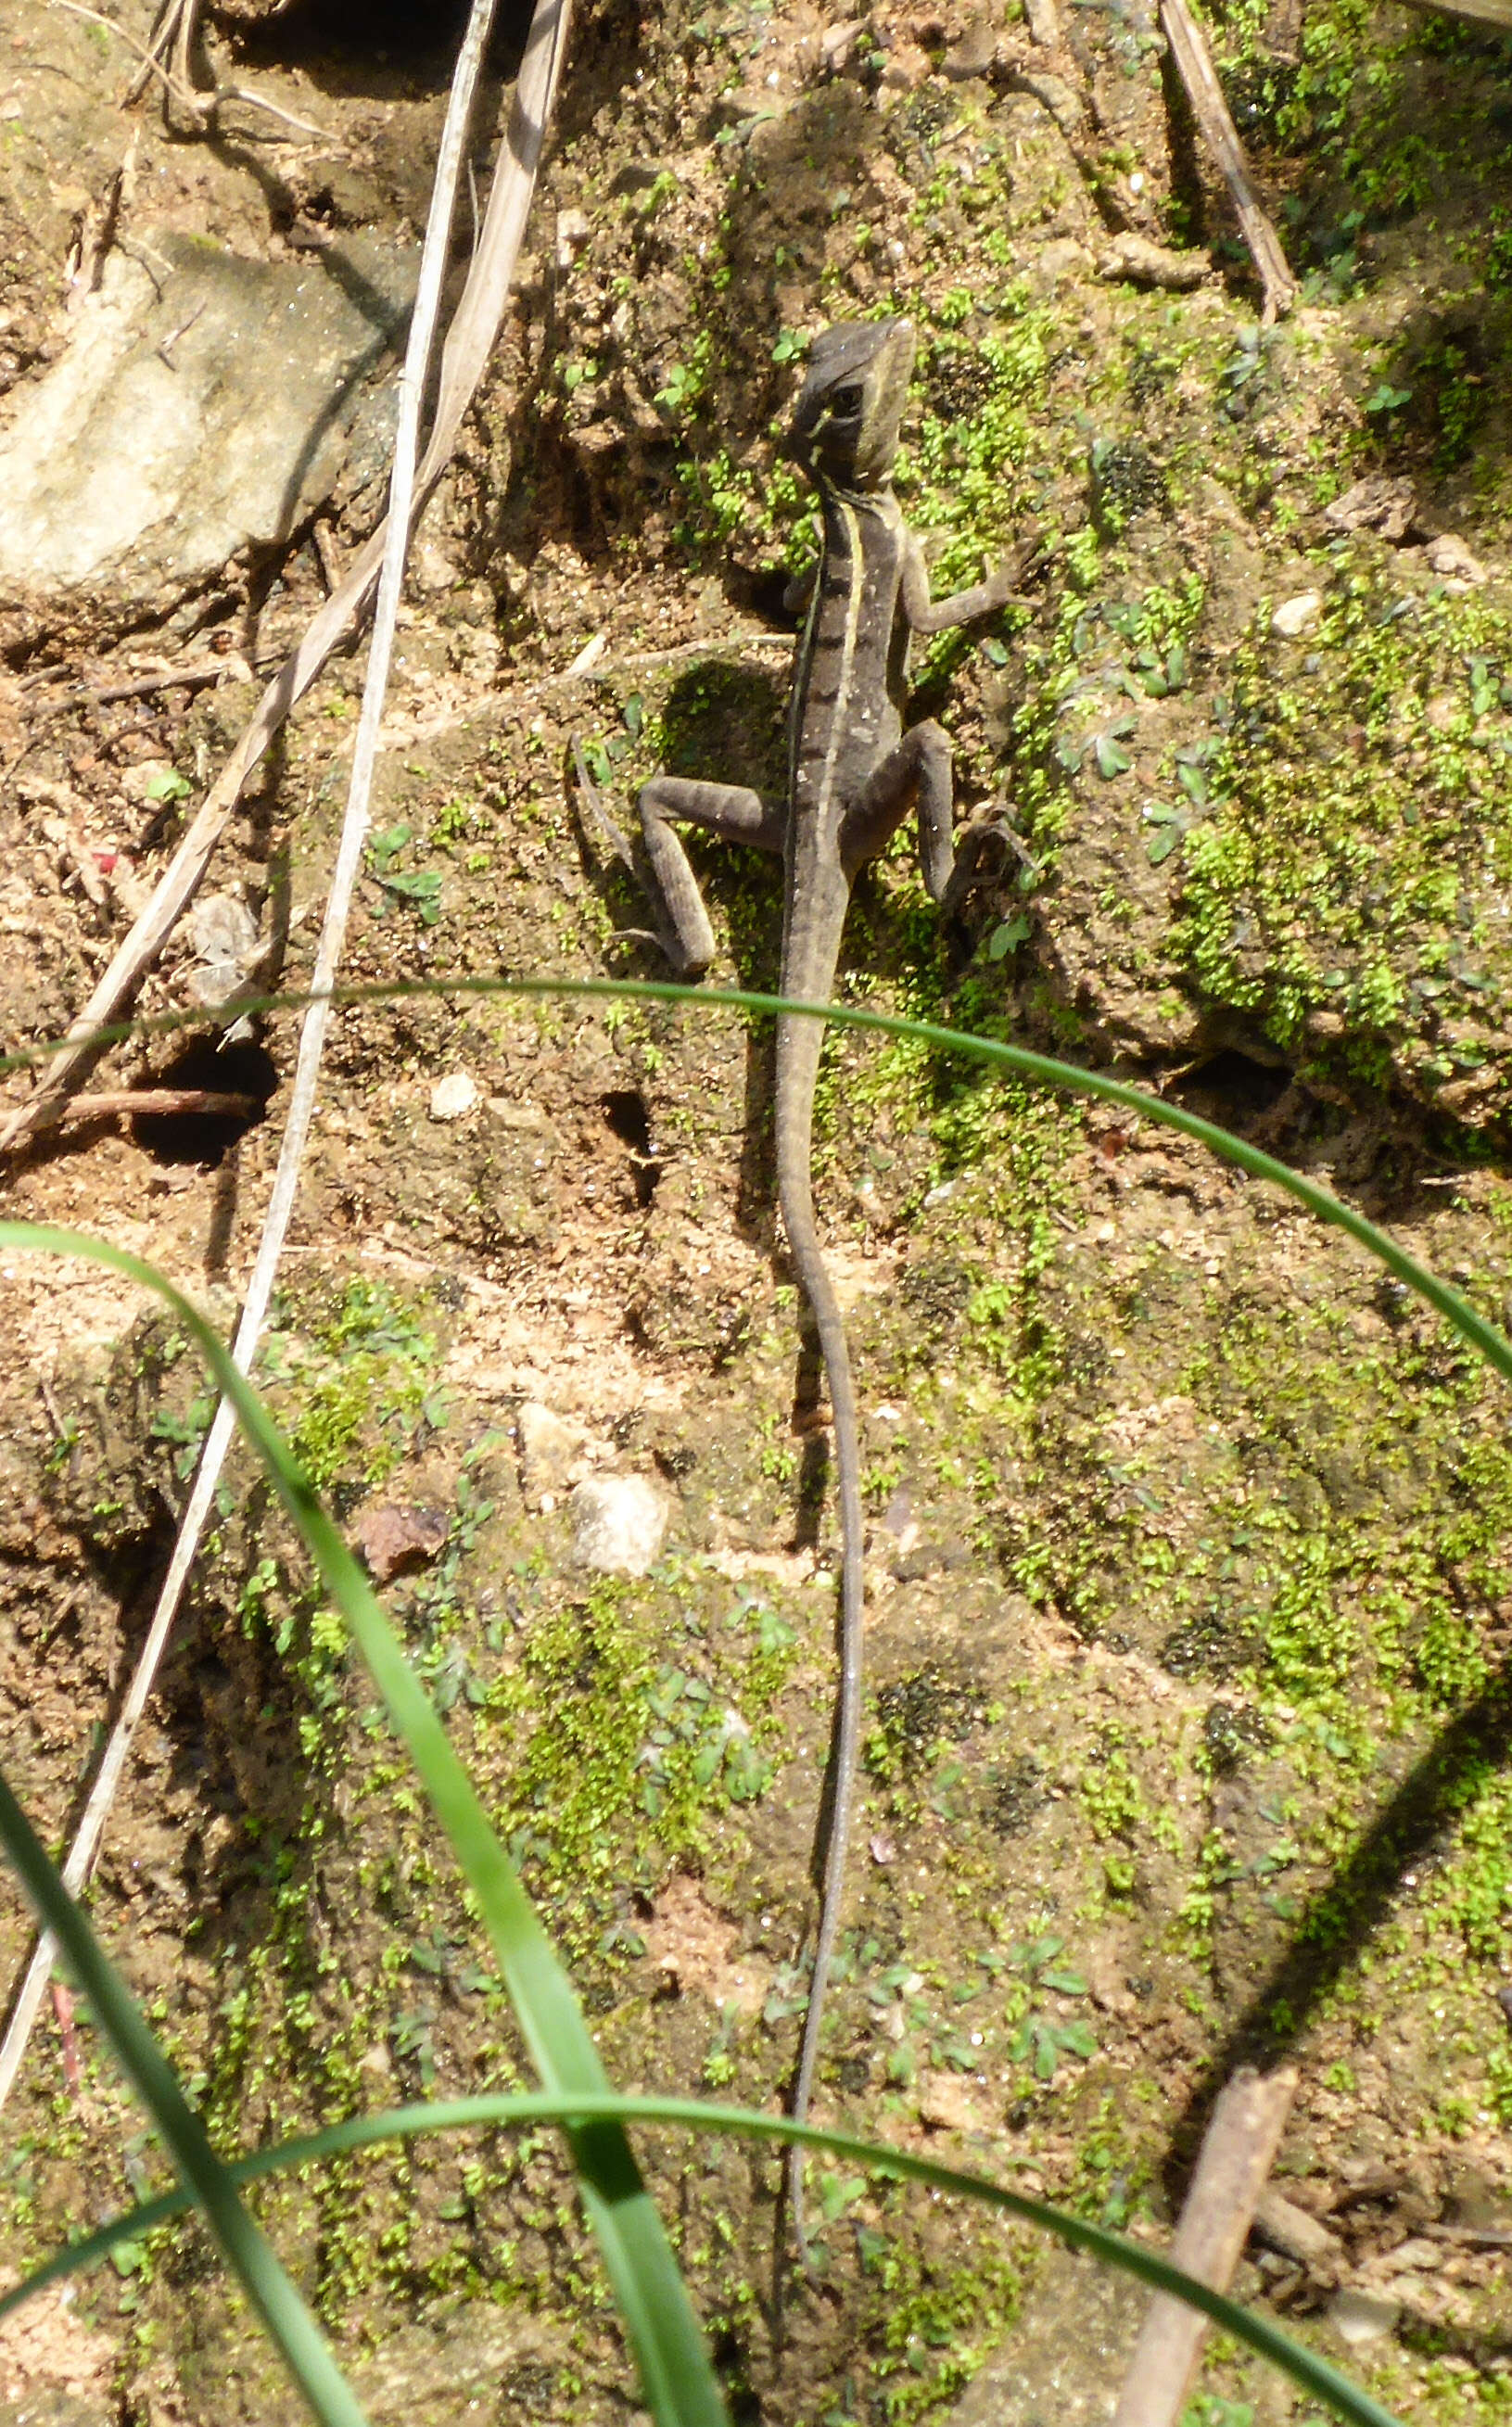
{"type": "Point", "coordinates": [160, 40]}
{"type": "Point", "coordinates": [133, 1101]}
{"type": "Point", "coordinates": [1237, 2151]}
{"type": "Point", "coordinates": [1189, 48]}
{"type": "Point", "coordinates": [201, 106]}
{"type": "Point", "coordinates": [151, 65]}
{"type": "Point", "coordinates": [469, 342]}
{"type": "Point", "coordinates": [1487, 12]}
{"type": "Point", "coordinates": [172, 32]}
{"type": "Point", "coordinates": [171, 679]}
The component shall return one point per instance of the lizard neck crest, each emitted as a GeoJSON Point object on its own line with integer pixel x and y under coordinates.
{"type": "Point", "coordinates": [850, 409]}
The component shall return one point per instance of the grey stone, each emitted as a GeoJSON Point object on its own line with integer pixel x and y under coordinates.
{"type": "Point", "coordinates": [204, 404]}
{"type": "Point", "coordinates": [1358, 2317]}
{"type": "Point", "coordinates": [471, 2363]}
{"type": "Point", "coordinates": [60, 2405]}
{"type": "Point", "coordinates": [1068, 2352]}
{"type": "Point", "coordinates": [549, 1449]}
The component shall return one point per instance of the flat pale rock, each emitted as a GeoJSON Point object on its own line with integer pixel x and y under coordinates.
{"type": "Point", "coordinates": [204, 404]}
{"type": "Point", "coordinates": [1136, 259]}
{"type": "Point", "coordinates": [1358, 2317]}
{"type": "Point", "coordinates": [1293, 615]}
{"type": "Point", "coordinates": [1451, 559]}
{"type": "Point", "coordinates": [1067, 2354]}
{"type": "Point", "coordinates": [619, 1523]}
{"type": "Point", "coordinates": [1379, 502]}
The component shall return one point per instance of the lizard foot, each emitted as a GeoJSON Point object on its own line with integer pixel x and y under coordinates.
{"type": "Point", "coordinates": [982, 848]}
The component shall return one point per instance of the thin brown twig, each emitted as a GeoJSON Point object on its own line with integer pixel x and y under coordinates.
{"type": "Point", "coordinates": [1237, 2151]}
{"type": "Point", "coordinates": [1471, 2236]}
{"type": "Point", "coordinates": [184, 95]}
{"type": "Point", "coordinates": [161, 40]}
{"type": "Point", "coordinates": [131, 1101]}
{"type": "Point", "coordinates": [1193, 61]}
{"type": "Point", "coordinates": [224, 92]}
{"type": "Point", "coordinates": [173, 34]}
{"type": "Point", "coordinates": [143, 686]}
{"type": "Point", "coordinates": [200, 105]}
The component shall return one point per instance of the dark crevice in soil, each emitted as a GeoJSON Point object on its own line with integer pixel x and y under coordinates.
{"type": "Point", "coordinates": [628, 1116]}
{"type": "Point", "coordinates": [243, 1069]}
{"type": "Point", "coordinates": [1230, 1088]}
{"type": "Point", "coordinates": [343, 40]}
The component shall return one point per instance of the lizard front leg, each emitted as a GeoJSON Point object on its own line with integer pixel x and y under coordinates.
{"type": "Point", "coordinates": [729, 809]}
{"type": "Point", "coordinates": [926, 615]}
{"type": "Point", "coordinates": [918, 774]}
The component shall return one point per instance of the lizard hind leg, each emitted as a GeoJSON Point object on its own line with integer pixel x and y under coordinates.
{"type": "Point", "coordinates": [729, 809]}
{"type": "Point", "coordinates": [916, 774]}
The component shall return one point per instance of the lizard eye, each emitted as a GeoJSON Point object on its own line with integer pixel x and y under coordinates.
{"type": "Point", "coordinates": [847, 401]}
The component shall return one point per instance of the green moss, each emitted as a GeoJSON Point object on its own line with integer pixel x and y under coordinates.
{"type": "Point", "coordinates": [619, 1758]}
{"type": "Point", "coordinates": [941, 2327]}
{"type": "Point", "coordinates": [359, 1387]}
{"type": "Point", "coordinates": [1343, 889]}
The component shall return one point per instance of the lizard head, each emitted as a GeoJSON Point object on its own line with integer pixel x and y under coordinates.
{"type": "Point", "coordinates": [846, 421]}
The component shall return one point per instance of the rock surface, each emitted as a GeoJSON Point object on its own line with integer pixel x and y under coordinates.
{"type": "Point", "coordinates": [204, 404]}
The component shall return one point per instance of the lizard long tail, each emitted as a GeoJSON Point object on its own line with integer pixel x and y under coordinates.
{"type": "Point", "coordinates": [799, 1043]}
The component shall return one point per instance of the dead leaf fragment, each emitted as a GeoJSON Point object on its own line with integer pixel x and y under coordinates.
{"type": "Point", "coordinates": [948, 2103]}
{"type": "Point", "coordinates": [393, 1536]}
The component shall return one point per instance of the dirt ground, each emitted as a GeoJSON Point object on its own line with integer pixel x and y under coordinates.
{"type": "Point", "coordinates": [1188, 1619]}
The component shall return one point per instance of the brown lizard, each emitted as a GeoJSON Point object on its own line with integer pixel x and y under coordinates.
{"type": "Point", "coordinates": [853, 777]}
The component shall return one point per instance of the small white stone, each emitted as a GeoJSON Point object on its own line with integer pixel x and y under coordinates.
{"type": "Point", "coordinates": [573, 232]}
{"type": "Point", "coordinates": [1293, 615]}
{"type": "Point", "coordinates": [1363, 2317]}
{"type": "Point", "coordinates": [453, 1095]}
{"type": "Point", "coordinates": [619, 1523]}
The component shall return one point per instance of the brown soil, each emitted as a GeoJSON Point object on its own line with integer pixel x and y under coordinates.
{"type": "Point", "coordinates": [1188, 1619]}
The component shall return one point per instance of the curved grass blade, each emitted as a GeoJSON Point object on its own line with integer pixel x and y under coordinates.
{"type": "Point", "coordinates": [209, 2184]}
{"type": "Point", "coordinates": [1345, 2400]}
{"type": "Point", "coordinates": [676, 2377]}
{"type": "Point", "coordinates": [1483, 1337]}
{"type": "Point", "coordinates": [1488, 1341]}
{"type": "Point", "coordinates": [1067, 1077]}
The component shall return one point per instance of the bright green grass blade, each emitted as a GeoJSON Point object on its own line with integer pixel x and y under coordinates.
{"type": "Point", "coordinates": [208, 2183]}
{"type": "Point", "coordinates": [699, 2115]}
{"type": "Point", "coordinates": [1067, 1077]}
{"type": "Point", "coordinates": [1489, 1343]}
{"type": "Point", "coordinates": [676, 2377]}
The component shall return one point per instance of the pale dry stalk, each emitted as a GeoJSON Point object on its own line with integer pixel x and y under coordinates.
{"type": "Point", "coordinates": [469, 343]}
{"type": "Point", "coordinates": [516, 173]}
{"type": "Point", "coordinates": [1237, 2154]}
